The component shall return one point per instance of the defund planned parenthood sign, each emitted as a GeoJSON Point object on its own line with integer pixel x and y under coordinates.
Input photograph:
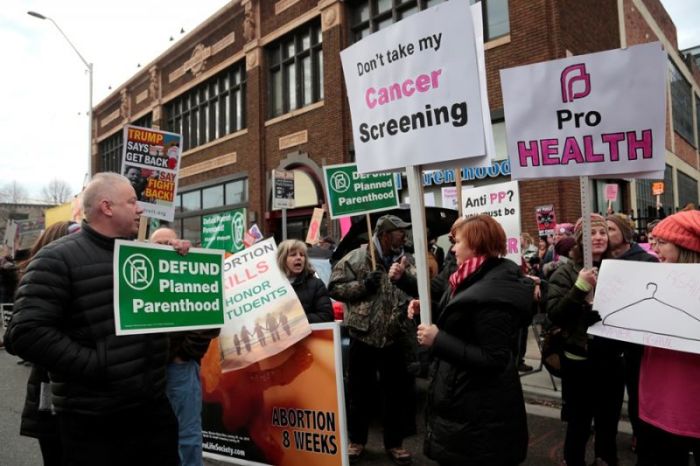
{"type": "Point", "coordinates": [350, 193]}
{"type": "Point", "coordinates": [158, 290]}
{"type": "Point", "coordinates": [596, 114]}
{"type": "Point", "coordinates": [414, 91]}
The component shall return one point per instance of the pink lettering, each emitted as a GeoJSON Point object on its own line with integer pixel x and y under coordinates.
{"type": "Point", "coordinates": [645, 143]}
{"type": "Point", "coordinates": [528, 152]}
{"type": "Point", "coordinates": [549, 147]}
{"type": "Point", "coordinates": [588, 148]}
{"type": "Point", "coordinates": [571, 151]}
{"type": "Point", "coordinates": [406, 88]}
{"type": "Point", "coordinates": [512, 245]}
{"type": "Point", "coordinates": [613, 142]}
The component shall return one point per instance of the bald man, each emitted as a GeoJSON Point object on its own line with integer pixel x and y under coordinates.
{"type": "Point", "coordinates": [108, 391]}
{"type": "Point", "coordinates": [184, 387]}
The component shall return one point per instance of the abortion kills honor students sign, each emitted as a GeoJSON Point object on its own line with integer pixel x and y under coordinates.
{"type": "Point", "coordinates": [414, 93]}
{"type": "Point", "coordinates": [588, 115]}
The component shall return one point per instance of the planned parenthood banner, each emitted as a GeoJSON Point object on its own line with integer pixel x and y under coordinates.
{"type": "Point", "coordinates": [596, 114]}
{"type": "Point", "coordinates": [414, 91]}
{"type": "Point", "coordinates": [158, 290]}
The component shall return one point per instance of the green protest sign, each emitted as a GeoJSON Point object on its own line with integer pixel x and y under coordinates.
{"type": "Point", "coordinates": [224, 230]}
{"type": "Point", "coordinates": [351, 193]}
{"type": "Point", "coordinates": [158, 290]}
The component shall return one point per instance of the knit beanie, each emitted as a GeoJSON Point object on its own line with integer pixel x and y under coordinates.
{"type": "Point", "coordinates": [597, 220]}
{"type": "Point", "coordinates": [622, 222]}
{"type": "Point", "coordinates": [681, 229]}
{"type": "Point", "coordinates": [564, 246]}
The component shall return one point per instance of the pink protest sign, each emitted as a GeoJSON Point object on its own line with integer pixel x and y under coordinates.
{"type": "Point", "coordinates": [611, 192]}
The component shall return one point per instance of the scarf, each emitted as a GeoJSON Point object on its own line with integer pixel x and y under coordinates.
{"type": "Point", "coordinates": [467, 268]}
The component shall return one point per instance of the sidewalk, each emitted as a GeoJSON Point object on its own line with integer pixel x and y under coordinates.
{"type": "Point", "coordinates": [540, 391]}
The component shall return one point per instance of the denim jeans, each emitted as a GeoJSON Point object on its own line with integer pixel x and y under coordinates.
{"type": "Point", "coordinates": [184, 390]}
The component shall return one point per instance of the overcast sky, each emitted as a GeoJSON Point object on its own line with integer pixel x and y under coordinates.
{"type": "Point", "coordinates": [44, 85]}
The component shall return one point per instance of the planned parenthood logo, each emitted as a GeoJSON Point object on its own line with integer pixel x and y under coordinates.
{"type": "Point", "coordinates": [575, 76]}
{"type": "Point", "coordinates": [238, 230]}
{"type": "Point", "coordinates": [340, 182]}
{"type": "Point", "coordinates": [137, 272]}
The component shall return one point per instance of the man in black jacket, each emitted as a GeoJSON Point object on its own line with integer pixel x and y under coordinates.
{"type": "Point", "coordinates": [108, 391]}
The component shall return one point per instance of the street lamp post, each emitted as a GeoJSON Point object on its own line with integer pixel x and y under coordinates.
{"type": "Point", "coordinates": [89, 68]}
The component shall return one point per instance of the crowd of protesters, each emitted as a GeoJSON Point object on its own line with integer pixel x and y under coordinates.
{"type": "Point", "coordinates": [95, 398]}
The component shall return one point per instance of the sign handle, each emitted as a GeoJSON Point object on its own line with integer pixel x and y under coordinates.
{"type": "Point", "coordinates": [458, 184]}
{"type": "Point", "coordinates": [143, 226]}
{"type": "Point", "coordinates": [586, 216]}
{"type": "Point", "coordinates": [370, 244]}
{"type": "Point", "coordinates": [420, 240]}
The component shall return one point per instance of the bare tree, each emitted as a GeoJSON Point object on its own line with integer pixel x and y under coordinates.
{"type": "Point", "coordinates": [13, 193]}
{"type": "Point", "coordinates": [56, 192]}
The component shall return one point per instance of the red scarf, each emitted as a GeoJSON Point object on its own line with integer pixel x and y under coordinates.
{"type": "Point", "coordinates": [467, 268]}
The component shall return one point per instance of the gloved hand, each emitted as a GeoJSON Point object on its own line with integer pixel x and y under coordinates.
{"type": "Point", "coordinates": [373, 281]}
{"type": "Point", "coordinates": [592, 317]}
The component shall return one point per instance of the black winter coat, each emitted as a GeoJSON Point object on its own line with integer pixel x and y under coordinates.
{"type": "Point", "coordinates": [314, 297]}
{"type": "Point", "coordinates": [38, 424]}
{"type": "Point", "coordinates": [476, 412]}
{"type": "Point", "coordinates": [64, 321]}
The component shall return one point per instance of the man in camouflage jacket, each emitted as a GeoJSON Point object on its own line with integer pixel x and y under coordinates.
{"type": "Point", "coordinates": [380, 336]}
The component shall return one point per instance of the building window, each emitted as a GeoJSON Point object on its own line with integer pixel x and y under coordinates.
{"type": "Point", "coordinates": [687, 190]}
{"type": "Point", "coordinates": [682, 101]}
{"type": "Point", "coordinates": [646, 201]}
{"type": "Point", "coordinates": [111, 148]}
{"type": "Point", "coordinates": [368, 16]}
{"type": "Point", "coordinates": [111, 152]}
{"type": "Point", "coordinates": [195, 202]}
{"type": "Point", "coordinates": [211, 110]}
{"type": "Point", "coordinates": [296, 69]}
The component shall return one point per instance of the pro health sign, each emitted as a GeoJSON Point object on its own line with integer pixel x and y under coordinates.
{"type": "Point", "coordinates": [351, 193]}
{"type": "Point", "coordinates": [158, 290]}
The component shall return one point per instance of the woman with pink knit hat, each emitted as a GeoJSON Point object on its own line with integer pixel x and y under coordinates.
{"type": "Point", "coordinates": [669, 382]}
{"type": "Point", "coordinates": [592, 375]}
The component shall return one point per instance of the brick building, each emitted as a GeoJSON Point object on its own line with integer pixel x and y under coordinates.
{"type": "Point", "coordinates": [259, 86]}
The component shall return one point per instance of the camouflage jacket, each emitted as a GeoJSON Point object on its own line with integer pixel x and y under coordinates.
{"type": "Point", "coordinates": [377, 319]}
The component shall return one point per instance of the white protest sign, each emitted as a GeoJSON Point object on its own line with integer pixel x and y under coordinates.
{"type": "Point", "coordinates": [502, 202]}
{"type": "Point", "coordinates": [596, 114]}
{"type": "Point", "coordinates": [262, 314]}
{"type": "Point", "coordinates": [649, 303]}
{"type": "Point", "coordinates": [414, 92]}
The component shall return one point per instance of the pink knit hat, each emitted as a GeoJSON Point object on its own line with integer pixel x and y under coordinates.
{"type": "Point", "coordinates": [681, 229]}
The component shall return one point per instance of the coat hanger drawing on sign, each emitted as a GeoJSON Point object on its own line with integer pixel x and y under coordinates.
{"type": "Point", "coordinates": [651, 315]}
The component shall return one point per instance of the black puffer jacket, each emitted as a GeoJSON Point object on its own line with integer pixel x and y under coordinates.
{"type": "Point", "coordinates": [476, 412]}
{"type": "Point", "coordinates": [313, 295]}
{"type": "Point", "coordinates": [36, 423]}
{"type": "Point", "coordinates": [64, 321]}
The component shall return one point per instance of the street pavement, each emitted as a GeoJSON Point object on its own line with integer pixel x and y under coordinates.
{"type": "Point", "coordinates": [543, 401]}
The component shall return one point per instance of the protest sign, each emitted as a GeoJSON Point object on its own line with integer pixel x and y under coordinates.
{"type": "Point", "coordinates": [151, 162]}
{"type": "Point", "coordinates": [263, 315]}
{"type": "Point", "coordinates": [286, 410]}
{"type": "Point", "coordinates": [611, 192]}
{"type": "Point", "coordinates": [414, 91]}
{"type": "Point", "coordinates": [282, 189]}
{"type": "Point", "coordinates": [224, 230]}
{"type": "Point", "coordinates": [657, 188]}
{"type": "Point", "coordinates": [350, 193]}
{"type": "Point", "coordinates": [10, 238]}
{"type": "Point", "coordinates": [596, 114]}
{"type": "Point", "coordinates": [158, 290]}
{"type": "Point", "coordinates": [546, 220]}
{"type": "Point", "coordinates": [649, 303]}
{"type": "Point", "coordinates": [313, 234]}
{"type": "Point", "coordinates": [502, 202]}
{"type": "Point", "coordinates": [252, 236]}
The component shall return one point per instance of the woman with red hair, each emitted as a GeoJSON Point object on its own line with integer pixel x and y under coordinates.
{"type": "Point", "coordinates": [476, 412]}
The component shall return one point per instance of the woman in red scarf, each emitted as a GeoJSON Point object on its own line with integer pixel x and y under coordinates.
{"type": "Point", "coordinates": [476, 413]}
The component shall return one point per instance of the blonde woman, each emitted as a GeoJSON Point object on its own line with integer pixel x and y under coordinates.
{"type": "Point", "coordinates": [293, 262]}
